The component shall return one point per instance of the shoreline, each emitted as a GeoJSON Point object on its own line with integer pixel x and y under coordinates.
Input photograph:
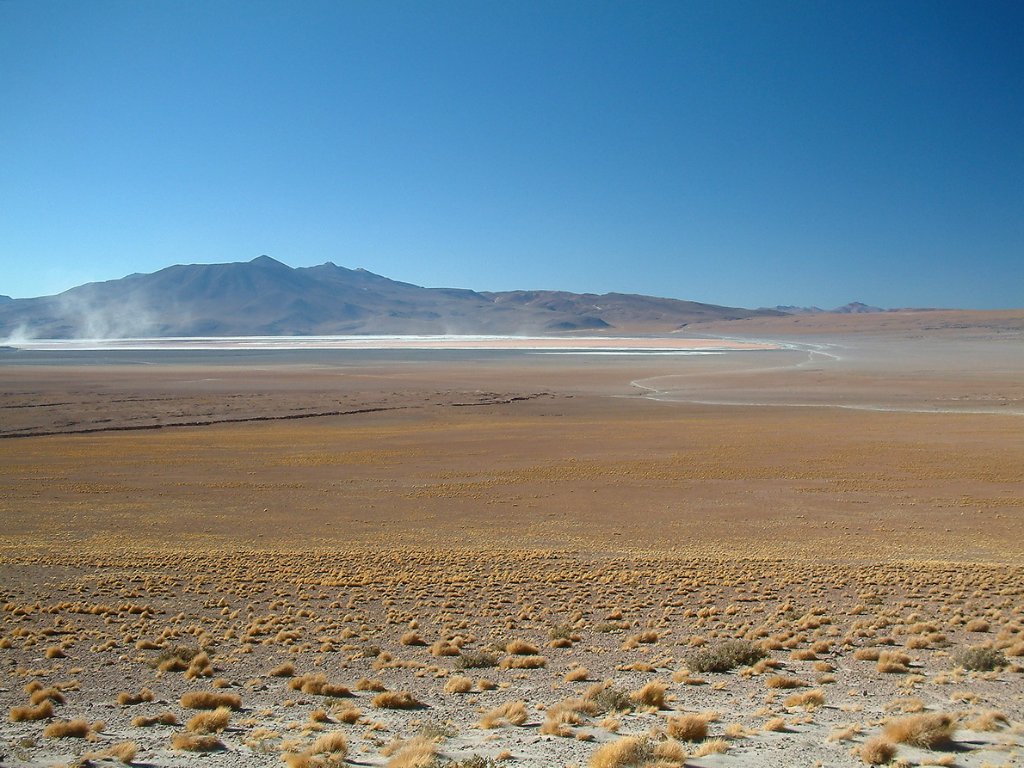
{"type": "Point", "coordinates": [523, 343]}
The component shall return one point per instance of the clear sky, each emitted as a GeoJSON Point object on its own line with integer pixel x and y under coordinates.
{"type": "Point", "coordinates": [743, 153]}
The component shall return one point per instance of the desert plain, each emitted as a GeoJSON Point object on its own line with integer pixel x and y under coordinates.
{"type": "Point", "coordinates": [805, 552]}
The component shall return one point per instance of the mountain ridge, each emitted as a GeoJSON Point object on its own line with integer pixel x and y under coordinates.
{"type": "Point", "coordinates": [265, 297]}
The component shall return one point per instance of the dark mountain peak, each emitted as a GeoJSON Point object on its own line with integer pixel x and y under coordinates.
{"type": "Point", "coordinates": [266, 297]}
{"type": "Point", "coordinates": [4, 299]}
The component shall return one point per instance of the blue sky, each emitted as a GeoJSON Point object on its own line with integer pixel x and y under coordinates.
{"type": "Point", "coordinates": [743, 153]}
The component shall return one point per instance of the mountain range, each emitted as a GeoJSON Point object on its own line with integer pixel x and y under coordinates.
{"type": "Point", "coordinates": [264, 297]}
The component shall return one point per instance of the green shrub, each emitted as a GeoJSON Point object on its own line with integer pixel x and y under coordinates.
{"type": "Point", "coordinates": [979, 659]}
{"type": "Point", "coordinates": [476, 660]}
{"type": "Point", "coordinates": [724, 656]}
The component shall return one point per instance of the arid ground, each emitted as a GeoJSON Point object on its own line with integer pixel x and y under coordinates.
{"type": "Point", "coordinates": [807, 555]}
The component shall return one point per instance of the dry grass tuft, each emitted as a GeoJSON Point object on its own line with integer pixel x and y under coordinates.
{"type": "Point", "coordinates": [210, 700]}
{"type": "Point", "coordinates": [44, 694]}
{"type": "Point", "coordinates": [418, 752]}
{"type": "Point", "coordinates": [893, 662]}
{"type": "Point", "coordinates": [926, 731]}
{"type": "Point", "coordinates": [189, 742]}
{"type": "Point", "coordinates": [712, 747]}
{"type": "Point", "coordinates": [626, 752]}
{"type": "Point", "coordinates": [513, 713]}
{"type": "Point", "coordinates": [651, 695]}
{"type": "Point", "coordinates": [877, 751]}
{"type": "Point", "coordinates": [690, 727]}
{"type": "Point", "coordinates": [65, 729]}
{"type": "Point", "coordinates": [124, 752]}
{"type": "Point", "coordinates": [284, 670]}
{"type": "Point", "coordinates": [577, 675]}
{"type": "Point", "coordinates": [523, 662]}
{"type": "Point", "coordinates": [784, 681]}
{"type": "Point", "coordinates": [334, 744]}
{"type": "Point", "coordinates": [210, 722]}
{"type": "Point", "coordinates": [521, 648]}
{"type": "Point", "coordinates": [991, 720]}
{"type": "Point", "coordinates": [317, 685]}
{"type": "Point", "coordinates": [125, 699]}
{"type": "Point", "coordinates": [847, 733]}
{"type": "Point", "coordinates": [165, 718]}
{"type": "Point", "coordinates": [397, 700]}
{"type": "Point", "coordinates": [25, 714]}
{"type": "Point", "coordinates": [458, 684]}
{"type": "Point", "coordinates": [806, 699]}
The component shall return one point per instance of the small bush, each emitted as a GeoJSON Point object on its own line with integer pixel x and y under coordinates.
{"type": "Point", "coordinates": [476, 660]}
{"type": "Point", "coordinates": [979, 659]}
{"type": "Point", "coordinates": [724, 656]}
{"type": "Point", "coordinates": [607, 698]}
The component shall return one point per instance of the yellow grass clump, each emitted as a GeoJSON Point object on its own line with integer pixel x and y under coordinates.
{"type": "Point", "coordinates": [521, 648]}
{"type": "Point", "coordinates": [625, 752]}
{"type": "Point", "coordinates": [124, 752]}
{"type": "Point", "coordinates": [784, 681]}
{"type": "Point", "coordinates": [651, 695]}
{"type": "Point", "coordinates": [165, 718]}
{"type": "Point", "coordinates": [284, 670]}
{"type": "Point", "coordinates": [806, 699]}
{"type": "Point", "coordinates": [418, 752]}
{"type": "Point", "coordinates": [877, 751]}
{"type": "Point", "coordinates": [125, 698]}
{"type": "Point", "coordinates": [458, 684]}
{"type": "Point", "coordinates": [927, 731]}
{"type": "Point", "coordinates": [65, 729]}
{"type": "Point", "coordinates": [23, 714]}
{"type": "Point", "coordinates": [317, 685]}
{"type": "Point", "coordinates": [43, 694]}
{"type": "Point", "coordinates": [712, 747]}
{"type": "Point", "coordinates": [213, 721]}
{"type": "Point", "coordinates": [513, 713]}
{"type": "Point", "coordinates": [397, 700]}
{"type": "Point", "coordinates": [577, 675]}
{"type": "Point", "coordinates": [523, 662]}
{"type": "Point", "coordinates": [210, 700]}
{"type": "Point", "coordinates": [190, 742]}
{"type": "Point", "coordinates": [893, 662]}
{"type": "Point", "coordinates": [692, 727]}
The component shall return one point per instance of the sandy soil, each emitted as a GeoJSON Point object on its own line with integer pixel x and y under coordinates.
{"type": "Point", "coordinates": [391, 520]}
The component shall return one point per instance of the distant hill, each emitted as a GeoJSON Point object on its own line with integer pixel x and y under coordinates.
{"type": "Point", "coordinates": [853, 308]}
{"type": "Point", "coordinates": [264, 297]}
